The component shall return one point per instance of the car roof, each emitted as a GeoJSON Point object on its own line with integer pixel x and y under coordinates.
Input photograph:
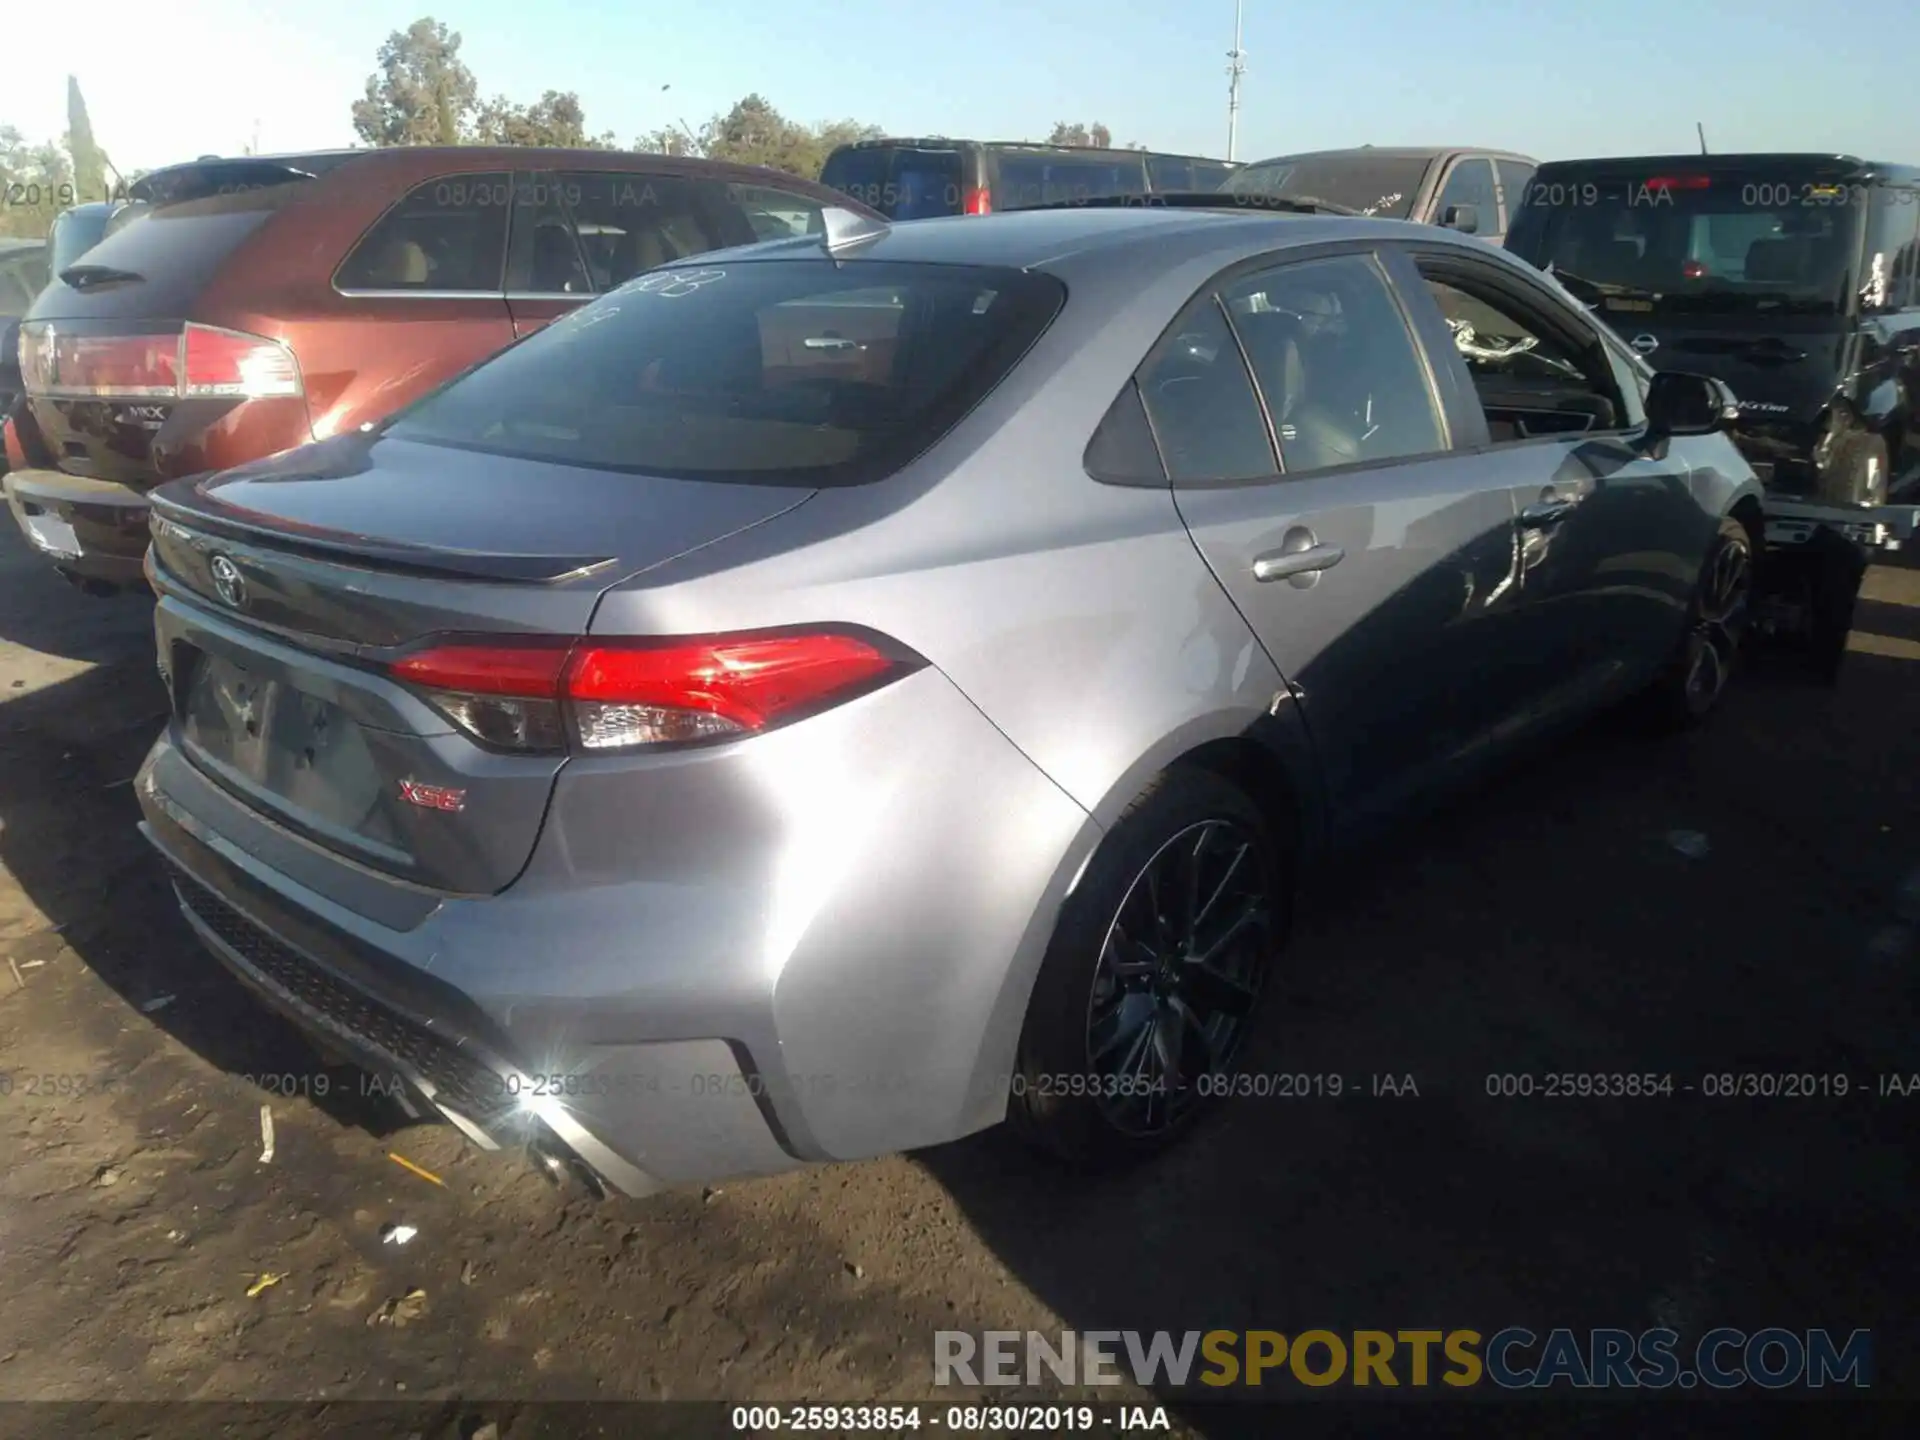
{"type": "Point", "coordinates": [1051, 240]}
{"type": "Point", "coordinates": [1402, 152]}
{"type": "Point", "coordinates": [1736, 160]}
{"type": "Point", "coordinates": [418, 158]}
{"type": "Point", "coordinates": [935, 142]}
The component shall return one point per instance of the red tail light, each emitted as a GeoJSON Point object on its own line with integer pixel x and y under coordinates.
{"type": "Point", "coordinates": [627, 694]}
{"type": "Point", "coordinates": [977, 201]}
{"type": "Point", "coordinates": [1680, 182]}
{"type": "Point", "coordinates": [228, 363]}
{"type": "Point", "coordinates": [194, 362]}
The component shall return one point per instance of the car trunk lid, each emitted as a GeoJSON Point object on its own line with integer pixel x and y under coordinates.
{"type": "Point", "coordinates": [290, 589]}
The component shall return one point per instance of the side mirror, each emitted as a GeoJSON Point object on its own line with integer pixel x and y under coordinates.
{"type": "Point", "coordinates": [1464, 218]}
{"type": "Point", "coordinates": [1682, 404]}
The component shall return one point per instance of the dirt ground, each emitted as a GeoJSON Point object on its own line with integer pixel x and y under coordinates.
{"type": "Point", "coordinates": [1548, 924]}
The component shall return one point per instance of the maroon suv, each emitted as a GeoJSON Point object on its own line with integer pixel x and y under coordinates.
{"type": "Point", "coordinates": [242, 307]}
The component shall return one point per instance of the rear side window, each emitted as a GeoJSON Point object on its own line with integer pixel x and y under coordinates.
{"type": "Point", "coordinates": [902, 182]}
{"type": "Point", "coordinates": [801, 372]}
{"type": "Point", "coordinates": [1025, 179]}
{"type": "Point", "coordinates": [1201, 403]}
{"type": "Point", "coordinates": [447, 234]}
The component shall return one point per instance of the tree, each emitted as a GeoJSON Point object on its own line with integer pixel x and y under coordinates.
{"type": "Point", "coordinates": [1096, 135]}
{"type": "Point", "coordinates": [37, 182]}
{"type": "Point", "coordinates": [754, 133]}
{"type": "Point", "coordinates": [89, 164]}
{"type": "Point", "coordinates": [423, 94]}
{"type": "Point", "coordinates": [556, 119]}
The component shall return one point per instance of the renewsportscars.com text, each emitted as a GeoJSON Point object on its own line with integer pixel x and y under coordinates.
{"type": "Point", "coordinates": [1515, 1358]}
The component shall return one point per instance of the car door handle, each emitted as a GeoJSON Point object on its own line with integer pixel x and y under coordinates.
{"type": "Point", "coordinates": [1546, 512]}
{"type": "Point", "coordinates": [829, 342]}
{"type": "Point", "coordinates": [1285, 563]}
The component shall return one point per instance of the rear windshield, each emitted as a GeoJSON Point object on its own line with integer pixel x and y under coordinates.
{"type": "Point", "coordinates": [1180, 172]}
{"type": "Point", "coordinates": [801, 372]}
{"type": "Point", "coordinates": [169, 252]}
{"type": "Point", "coordinates": [1372, 184]}
{"type": "Point", "coordinates": [902, 182]}
{"type": "Point", "coordinates": [1719, 239]}
{"type": "Point", "coordinates": [1023, 178]}
{"type": "Point", "coordinates": [75, 232]}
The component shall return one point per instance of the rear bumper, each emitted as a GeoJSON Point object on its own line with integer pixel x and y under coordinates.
{"type": "Point", "coordinates": [685, 1018]}
{"type": "Point", "coordinates": [95, 529]}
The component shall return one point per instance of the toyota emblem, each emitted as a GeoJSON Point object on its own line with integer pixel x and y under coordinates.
{"type": "Point", "coordinates": [1644, 344]}
{"type": "Point", "coordinates": [228, 582]}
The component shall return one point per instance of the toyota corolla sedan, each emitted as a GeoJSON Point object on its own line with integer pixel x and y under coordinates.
{"type": "Point", "coordinates": [828, 697]}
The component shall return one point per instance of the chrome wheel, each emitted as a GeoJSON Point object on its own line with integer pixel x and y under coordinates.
{"type": "Point", "coordinates": [1725, 591]}
{"type": "Point", "coordinates": [1179, 971]}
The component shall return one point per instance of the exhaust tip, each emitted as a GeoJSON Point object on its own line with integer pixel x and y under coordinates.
{"type": "Point", "coordinates": [556, 1163]}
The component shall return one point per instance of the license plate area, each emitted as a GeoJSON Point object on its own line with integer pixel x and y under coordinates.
{"type": "Point", "coordinates": [283, 747]}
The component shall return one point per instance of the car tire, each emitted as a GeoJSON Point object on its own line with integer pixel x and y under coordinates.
{"type": "Point", "coordinates": [1690, 688]}
{"type": "Point", "coordinates": [1859, 473]}
{"type": "Point", "coordinates": [1102, 1001]}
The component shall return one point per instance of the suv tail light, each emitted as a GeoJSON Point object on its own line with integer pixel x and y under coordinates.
{"type": "Point", "coordinates": [977, 201]}
{"type": "Point", "coordinates": [619, 695]}
{"type": "Point", "coordinates": [192, 363]}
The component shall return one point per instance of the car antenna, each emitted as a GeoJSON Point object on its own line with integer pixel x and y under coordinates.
{"type": "Point", "coordinates": [842, 230]}
{"type": "Point", "coordinates": [1702, 131]}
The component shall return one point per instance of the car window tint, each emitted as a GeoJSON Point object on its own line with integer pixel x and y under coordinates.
{"type": "Point", "coordinates": [1528, 382]}
{"type": "Point", "coordinates": [447, 234]}
{"type": "Point", "coordinates": [1341, 375]}
{"type": "Point", "coordinates": [1891, 223]}
{"type": "Point", "coordinates": [1025, 179]}
{"type": "Point", "coordinates": [547, 253]}
{"type": "Point", "coordinates": [1201, 401]}
{"type": "Point", "coordinates": [777, 214]}
{"type": "Point", "coordinates": [1514, 177]}
{"type": "Point", "coordinates": [1122, 447]}
{"type": "Point", "coordinates": [1470, 183]}
{"type": "Point", "coordinates": [630, 222]}
{"type": "Point", "coordinates": [801, 372]}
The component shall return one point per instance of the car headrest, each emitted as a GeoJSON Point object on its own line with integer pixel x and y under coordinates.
{"type": "Point", "coordinates": [1775, 260]}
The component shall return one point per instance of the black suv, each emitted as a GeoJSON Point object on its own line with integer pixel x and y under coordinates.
{"type": "Point", "coordinates": [1793, 277]}
{"type": "Point", "coordinates": [920, 179]}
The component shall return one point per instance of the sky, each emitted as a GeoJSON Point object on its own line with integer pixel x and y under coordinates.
{"type": "Point", "coordinates": [1627, 77]}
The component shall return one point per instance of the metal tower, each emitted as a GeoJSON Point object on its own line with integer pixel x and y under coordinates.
{"type": "Point", "coordinates": [1236, 67]}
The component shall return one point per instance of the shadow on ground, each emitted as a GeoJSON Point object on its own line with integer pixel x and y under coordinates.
{"type": "Point", "coordinates": [1547, 926]}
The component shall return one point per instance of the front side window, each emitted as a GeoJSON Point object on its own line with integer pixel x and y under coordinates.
{"type": "Point", "coordinates": [1892, 223]}
{"type": "Point", "coordinates": [802, 372]}
{"type": "Point", "coordinates": [1342, 377]}
{"type": "Point", "coordinates": [1530, 382]}
{"type": "Point", "coordinates": [448, 234]}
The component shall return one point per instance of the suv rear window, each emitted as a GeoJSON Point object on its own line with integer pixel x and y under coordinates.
{"type": "Point", "coordinates": [902, 182]}
{"type": "Point", "coordinates": [802, 372]}
{"type": "Point", "coordinates": [1372, 184]}
{"type": "Point", "coordinates": [1023, 178]}
{"type": "Point", "coordinates": [1703, 238]}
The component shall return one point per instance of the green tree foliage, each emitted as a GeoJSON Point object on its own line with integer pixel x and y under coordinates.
{"type": "Point", "coordinates": [555, 119]}
{"type": "Point", "coordinates": [36, 183]}
{"type": "Point", "coordinates": [754, 133]}
{"type": "Point", "coordinates": [89, 164]}
{"type": "Point", "coordinates": [422, 94]}
{"type": "Point", "coordinates": [1097, 136]}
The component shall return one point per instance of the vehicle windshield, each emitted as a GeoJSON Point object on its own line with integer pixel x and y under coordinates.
{"type": "Point", "coordinates": [1371, 184]}
{"type": "Point", "coordinates": [771, 372]}
{"type": "Point", "coordinates": [1715, 241]}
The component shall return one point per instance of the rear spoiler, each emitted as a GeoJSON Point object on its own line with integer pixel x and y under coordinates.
{"type": "Point", "coordinates": [197, 179]}
{"type": "Point", "coordinates": [1201, 200]}
{"type": "Point", "coordinates": [183, 507]}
